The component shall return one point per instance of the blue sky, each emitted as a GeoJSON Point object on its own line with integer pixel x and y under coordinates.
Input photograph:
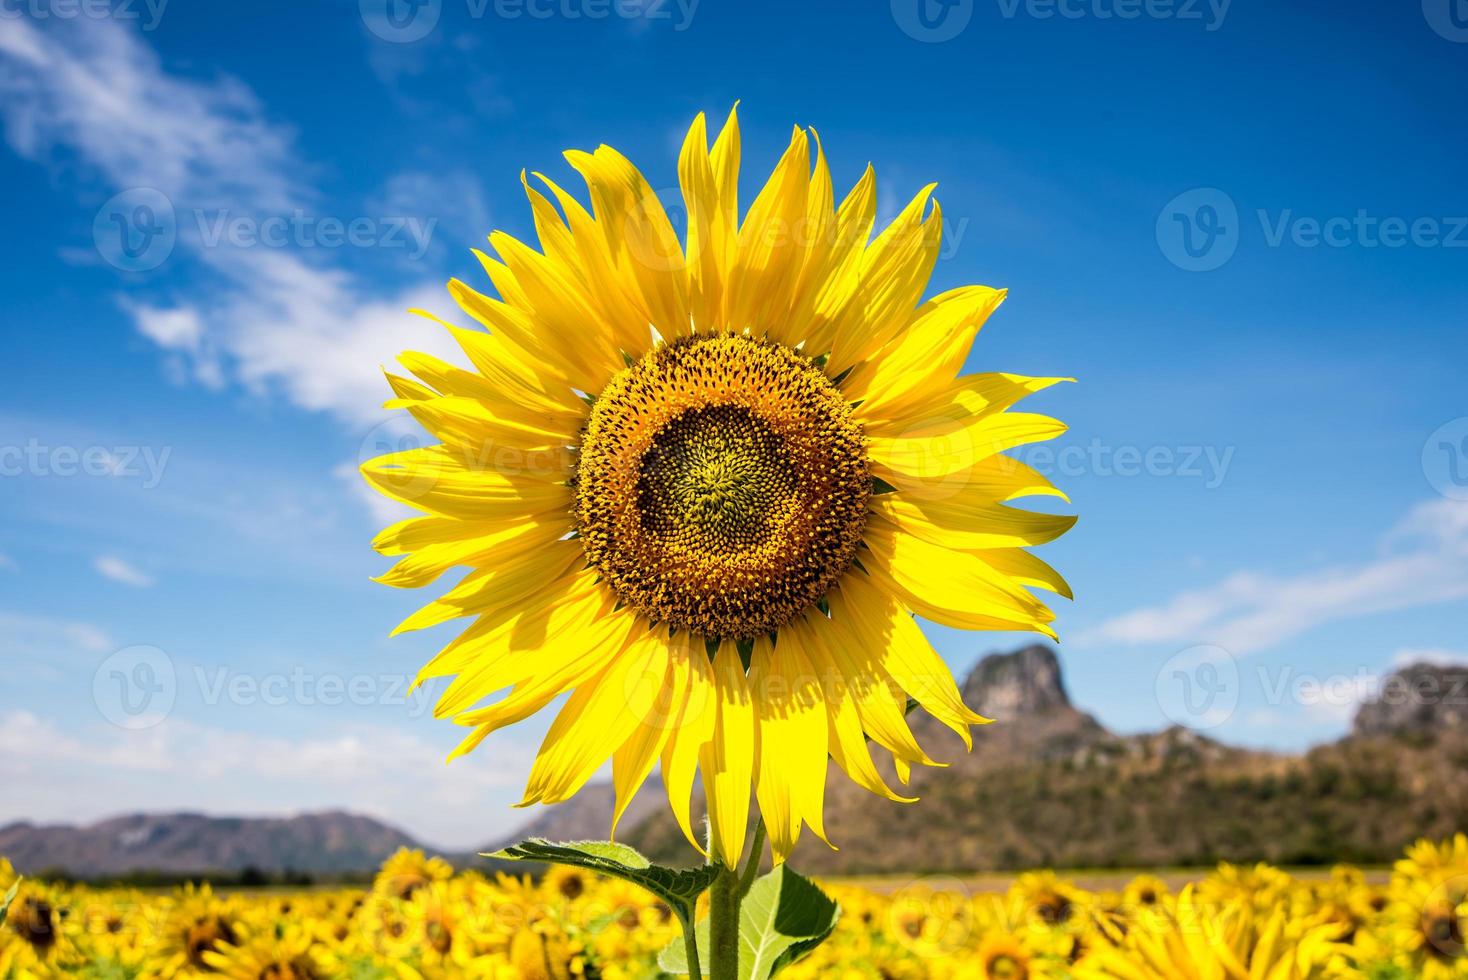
{"type": "Point", "coordinates": [1242, 226]}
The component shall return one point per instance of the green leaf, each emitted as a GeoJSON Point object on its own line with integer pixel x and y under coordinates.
{"type": "Point", "coordinates": [783, 917]}
{"type": "Point", "coordinates": [9, 897]}
{"type": "Point", "coordinates": [678, 887]}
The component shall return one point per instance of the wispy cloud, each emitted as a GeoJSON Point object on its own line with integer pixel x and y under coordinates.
{"type": "Point", "coordinates": [1437, 656]}
{"type": "Point", "coordinates": [7, 564]}
{"type": "Point", "coordinates": [114, 568]}
{"type": "Point", "coordinates": [1421, 561]}
{"type": "Point", "coordinates": [24, 636]}
{"type": "Point", "coordinates": [178, 763]}
{"type": "Point", "coordinates": [270, 318]}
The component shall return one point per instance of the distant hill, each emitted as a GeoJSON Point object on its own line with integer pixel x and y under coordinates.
{"type": "Point", "coordinates": [1049, 786]}
{"type": "Point", "coordinates": [332, 842]}
{"type": "Point", "coordinates": [1046, 786]}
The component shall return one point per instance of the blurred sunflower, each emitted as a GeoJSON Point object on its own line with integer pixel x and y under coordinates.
{"type": "Point", "coordinates": [42, 940]}
{"type": "Point", "coordinates": [285, 954]}
{"type": "Point", "coordinates": [408, 870]}
{"type": "Point", "coordinates": [704, 485]}
{"type": "Point", "coordinates": [195, 923]}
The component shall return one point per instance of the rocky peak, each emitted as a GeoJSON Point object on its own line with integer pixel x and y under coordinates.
{"type": "Point", "coordinates": [1013, 685]}
{"type": "Point", "coordinates": [1421, 699]}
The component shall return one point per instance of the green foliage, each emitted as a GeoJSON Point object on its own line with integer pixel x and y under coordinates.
{"type": "Point", "coordinates": [678, 887]}
{"type": "Point", "coordinates": [9, 897]}
{"type": "Point", "coordinates": [784, 916]}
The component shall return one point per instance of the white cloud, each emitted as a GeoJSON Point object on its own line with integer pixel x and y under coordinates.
{"type": "Point", "coordinates": [395, 776]}
{"type": "Point", "coordinates": [7, 564]}
{"type": "Point", "coordinates": [1438, 656]}
{"type": "Point", "coordinates": [277, 322]}
{"type": "Point", "coordinates": [110, 566]}
{"type": "Point", "coordinates": [25, 637]}
{"type": "Point", "coordinates": [1421, 561]}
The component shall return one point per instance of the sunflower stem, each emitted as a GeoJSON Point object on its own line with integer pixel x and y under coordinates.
{"type": "Point", "coordinates": [690, 948]}
{"type": "Point", "coordinates": [756, 851]}
{"type": "Point", "coordinates": [724, 899]}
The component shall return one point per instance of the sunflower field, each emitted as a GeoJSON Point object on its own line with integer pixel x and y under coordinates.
{"type": "Point", "coordinates": [422, 919]}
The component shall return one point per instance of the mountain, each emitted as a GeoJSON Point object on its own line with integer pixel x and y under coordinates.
{"type": "Point", "coordinates": [586, 816]}
{"type": "Point", "coordinates": [332, 842]}
{"type": "Point", "coordinates": [1047, 785]}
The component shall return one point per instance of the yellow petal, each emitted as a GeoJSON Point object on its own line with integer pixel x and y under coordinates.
{"type": "Point", "coordinates": [894, 274]}
{"type": "Point", "coordinates": [474, 544]}
{"type": "Point", "coordinates": [601, 714]}
{"type": "Point", "coordinates": [968, 522]}
{"type": "Point", "coordinates": [905, 653]}
{"type": "Point", "coordinates": [943, 449]}
{"type": "Point", "coordinates": [879, 699]}
{"type": "Point", "coordinates": [927, 355]}
{"type": "Point", "coordinates": [791, 715]}
{"type": "Point", "coordinates": [1001, 478]}
{"type": "Point", "coordinates": [694, 730]}
{"type": "Point", "coordinates": [634, 758]}
{"type": "Point", "coordinates": [950, 587]}
{"type": "Point", "coordinates": [770, 248]}
{"type": "Point", "coordinates": [727, 762]}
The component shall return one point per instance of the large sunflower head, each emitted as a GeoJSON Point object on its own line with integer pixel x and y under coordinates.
{"type": "Point", "coordinates": [704, 482]}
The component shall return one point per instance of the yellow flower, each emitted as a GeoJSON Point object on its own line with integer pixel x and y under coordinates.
{"type": "Point", "coordinates": [703, 485]}
{"type": "Point", "coordinates": [40, 935]}
{"type": "Point", "coordinates": [195, 923]}
{"type": "Point", "coordinates": [1001, 957]}
{"type": "Point", "coordinates": [286, 954]}
{"type": "Point", "coordinates": [408, 870]}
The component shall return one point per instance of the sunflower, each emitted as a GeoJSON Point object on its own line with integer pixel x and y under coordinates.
{"type": "Point", "coordinates": [408, 870]}
{"type": "Point", "coordinates": [1002, 957]}
{"type": "Point", "coordinates": [1429, 930]}
{"type": "Point", "coordinates": [287, 954]}
{"type": "Point", "coordinates": [703, 485]}
{"type": "Point", "coordinates": [39, 937]}
{"type": "Point", "coordinates": [195, 924]}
